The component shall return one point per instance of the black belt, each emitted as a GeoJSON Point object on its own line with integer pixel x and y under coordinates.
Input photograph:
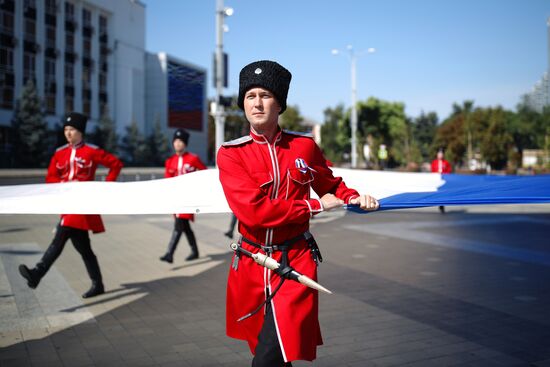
{"type": "Point", "coordinates": [285, 270]}
{"type": "Point", "coordinates": [283, 247]}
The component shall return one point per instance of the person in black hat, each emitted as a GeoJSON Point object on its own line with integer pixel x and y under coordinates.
{"type": "Point", "coordinates": [75, 161]}
{"type": "Point", "coordinates": [180, 163]}
{"type": "Point", "coordinates": [267, 177]}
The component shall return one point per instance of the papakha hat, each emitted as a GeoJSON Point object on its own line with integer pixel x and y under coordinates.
{"type": "Point", "coordinates": [268, 75]}
{"type": "Point", "coordinates": [76, 120]}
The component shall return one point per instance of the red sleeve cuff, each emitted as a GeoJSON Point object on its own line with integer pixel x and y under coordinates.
{"type": "Point", "coordinates": [315, 206]}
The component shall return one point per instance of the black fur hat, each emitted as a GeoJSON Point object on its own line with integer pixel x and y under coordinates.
{"type": "Point", "coordinates": [265, 74]}
{"type": "Point", "coordinates": [181, 135]}
{"type": "Point", "coordinates": [76, 120]}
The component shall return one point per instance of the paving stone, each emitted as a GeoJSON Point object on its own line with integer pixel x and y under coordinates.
{"type": "Point", "coordinates": [383, 312]}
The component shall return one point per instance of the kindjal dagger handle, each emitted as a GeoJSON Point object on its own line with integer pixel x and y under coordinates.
{"type": "Point", "coordinates": [272, 264]}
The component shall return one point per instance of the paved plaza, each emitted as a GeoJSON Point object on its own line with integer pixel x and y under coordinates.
{"type": "Point", "coordinates": [411, 288]}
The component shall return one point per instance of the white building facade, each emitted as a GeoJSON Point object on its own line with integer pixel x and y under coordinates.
{"type": "Point", "coordinates": [83, 55]}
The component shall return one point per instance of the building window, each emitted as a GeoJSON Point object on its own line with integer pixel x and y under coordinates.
{"type": "Point", "coordinates": [30, 30]}
{"type": "Point", "coordinates": [103, 108]}
{"type": "Point", "coordinates": [87, 47]}
{"type": "Point", "coordinates": [69, 11]}
{"type": "Point", "coordinates": [49, 70]}
{"type": "Point", "coordinates": [51, 7]}
{"type": "Point", "coordinates": [6, 22]}
{"type": "Point", "coordinates": [102, 65]}
{"type": "Point", "coordinates": [86, 18]}
{"type": "Point", "coordinates": [69, 42]}
{"type": "Point", "coordinates": [6, 96]}
{"type": "Point", "coordinates": [103, 81]}
{"type": "Point", "coordinates": [6, 59]}
{"type": "Point", "coordinates": [86, 78]}
{"type": "Point", "coordinates": [29, 66]}
{"type": "Point", "coordinates": [86, 106]}
{"type": "Point", "coordinates": [50, 37]}
{"type": "Point", "coordinates": [69, 74]}
{"type": "Point", "coordinates": [49, 101]}
{"type": "Point", "coordinates": [102, 24]}
{"type": "Point", "coordinates": [69, 104]}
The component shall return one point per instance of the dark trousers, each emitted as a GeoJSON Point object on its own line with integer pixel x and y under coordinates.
{"type": "Point", "coordinates": [81, 242]}
{"type": "Point", "coordinates": [233, 223]}
{"type": "Point", "coordinates": [268, 351]}
{"type": "Point", "coordinates": [182, 226]}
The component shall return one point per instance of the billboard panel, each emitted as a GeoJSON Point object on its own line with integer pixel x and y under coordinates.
{"type": "Point", "coordinates": [186, 96]}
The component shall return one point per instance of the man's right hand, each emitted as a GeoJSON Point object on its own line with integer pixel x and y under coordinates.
{"type": "Point", "coordinates": [330, 202]}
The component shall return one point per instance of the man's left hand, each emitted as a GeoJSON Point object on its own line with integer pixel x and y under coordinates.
{"type": "Point", "coordinates": [366, 202]}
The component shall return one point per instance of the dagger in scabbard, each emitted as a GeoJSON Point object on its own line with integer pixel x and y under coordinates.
{"type": "Point", "coordinates": [272, 264]}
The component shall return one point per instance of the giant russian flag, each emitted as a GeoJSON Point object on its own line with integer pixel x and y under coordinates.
{"type": "Point", "coordinates": [201, 192]}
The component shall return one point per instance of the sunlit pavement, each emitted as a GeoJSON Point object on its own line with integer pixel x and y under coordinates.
{"type": "Point", "coordinates": [411, 288]}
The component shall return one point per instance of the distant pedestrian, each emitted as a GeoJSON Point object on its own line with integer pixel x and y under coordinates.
{"type": "Point", "coordinates": [75, 161]}
{"type": "Point", "coordinates": [232, 226]}
{"type": "Point", "coordinates": [382, 156]}
{"type": "Point", "coordinates": [182, 162]}
{"type": "Point", "coordinates": [441, 165]}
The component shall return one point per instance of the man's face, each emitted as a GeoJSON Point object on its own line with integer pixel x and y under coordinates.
{"type": "Point", "coordinates": [440, 155]}
{"type": "Point", "coordinates": [179, 146]}
{"type": "Point", "coordinates": [261, 109]}
{"type": "Point", "coordinates": [72, 135]}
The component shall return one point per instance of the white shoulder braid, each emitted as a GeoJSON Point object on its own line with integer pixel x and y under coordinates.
{"type": "Point", "coordinates": [298, 133]}
{"type": "Point", "coordinates": [238, 141]}
{"type": "Point", "coordinates": [62, 147]}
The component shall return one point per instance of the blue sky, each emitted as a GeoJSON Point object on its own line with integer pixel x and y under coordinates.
{"type": "Point", "coordinates": [429, 53]}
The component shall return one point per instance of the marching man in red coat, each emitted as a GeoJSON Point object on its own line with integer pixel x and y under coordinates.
{"type": "Point", "coordinates": [266, 177]}
{"type": "Point", "coordinates": [179, 164]}
{"type": "Point", "coordinates": [75, 161]}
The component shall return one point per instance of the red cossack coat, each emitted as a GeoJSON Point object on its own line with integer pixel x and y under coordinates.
{"type": "Point", "coordinates": [267, 186]}
{"type": "Point", "coordinates": [180, 164]}
{"type": "Point", "coordinates": [441, 166]}
{"type": "Point", "coordinates": [79, 163]}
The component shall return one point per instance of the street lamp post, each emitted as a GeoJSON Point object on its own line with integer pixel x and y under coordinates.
{"type": "Point", "coordinates": [219, 115]}
{"type": "Point", "coordinates": [353, 57]}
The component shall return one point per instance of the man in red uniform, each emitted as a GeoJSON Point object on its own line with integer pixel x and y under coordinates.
{"type": "Point", "coordinates": [441, 165]}
{"type": "Point", "coordinates": [179, 164]}
{"type": "Point", "coordinates": [266, 177]}
{"type": "Point", "coordinates": [75, 161]}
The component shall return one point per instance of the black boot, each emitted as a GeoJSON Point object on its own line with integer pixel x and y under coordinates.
{"type": "Point", "coordinates": [193, 255]}
{"type": "Point", "coordinates": [229, 234]}
{"type": "Point", "coordinates": [32, 276]}
{"type": "Point", "coordinates": [194, 249]}
{"type": "Point", "coordinates": [95, 290]}
{"type": "Point", "coordinates": [172, 245]}
{"type": "Point", "coordinates": [167, 258]}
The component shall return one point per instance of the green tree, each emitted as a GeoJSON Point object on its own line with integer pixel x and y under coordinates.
{"type": "Point", "coordinates": [159, 146]}
{"type": "Point", "coordinates": [424, 128]}
{"type": "Point", "coordinates": [32, 142]}
{"type": "Point", "coordinates": [450, 136]}
{"type": "Point", "coordinates": [105, 135]}
{"type": "Point", "coordinates": [387, 123]}
{"type": "Point", "coordinates": [335, 134]}
{"type": "Point", "coordinates": [497, 141]}
{"type": "Point", "coordinates": [292, 120]}
{"type": "Point", "coordinates": [136, 151]}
